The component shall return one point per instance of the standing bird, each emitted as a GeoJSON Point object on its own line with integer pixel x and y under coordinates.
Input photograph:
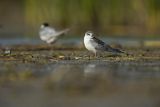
{"type": "Point", "coordinates": [95, 45]}
{"type": "Point", "coordinates": [49, 34]}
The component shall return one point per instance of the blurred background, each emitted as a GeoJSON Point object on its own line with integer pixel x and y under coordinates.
{"type": "Point", "coordinates": [140, 18]}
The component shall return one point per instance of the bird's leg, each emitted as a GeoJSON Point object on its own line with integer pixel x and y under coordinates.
{"type": "Point", "coordinates": [89, 57]}
{"type": "Point", "coordinates": [95, 54]}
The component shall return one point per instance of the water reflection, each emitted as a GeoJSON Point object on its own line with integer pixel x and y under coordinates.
{"type": "Point", "coordinates": [91, 84]}
{"type": "Point", "coordinates": [90, 70]}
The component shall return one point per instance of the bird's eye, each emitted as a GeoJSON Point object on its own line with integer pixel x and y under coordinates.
{"type": "Point", "coordinates": [88, 33]}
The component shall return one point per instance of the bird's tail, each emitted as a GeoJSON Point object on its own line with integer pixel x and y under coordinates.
{"type": "Point", "coordinates": [63, 32]}
{"type": "Point", "coordinates": [66, 30]}
{"type": "Point", "coordinates": [116, 51]}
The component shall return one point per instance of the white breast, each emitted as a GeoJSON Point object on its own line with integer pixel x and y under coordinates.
{"type": "Point", "coordinates": [47, 34]}
{"type": "Point", "coordinates": [88, 44]}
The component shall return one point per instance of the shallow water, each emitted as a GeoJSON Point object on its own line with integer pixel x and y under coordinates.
{"type": "Point", "coordinates": [80, 83]}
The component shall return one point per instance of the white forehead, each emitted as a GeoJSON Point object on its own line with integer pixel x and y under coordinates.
{"type": "Point", "coordinates": [42, 26]}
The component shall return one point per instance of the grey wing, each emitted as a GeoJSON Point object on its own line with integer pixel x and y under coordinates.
{"type": "Point", "coordinates": [99, 45]}
{"type": "Point", "coordinates": [102, 46]}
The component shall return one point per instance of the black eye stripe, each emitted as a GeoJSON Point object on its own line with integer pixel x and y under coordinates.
{"type": "Point", "coordinates": [89, 34]}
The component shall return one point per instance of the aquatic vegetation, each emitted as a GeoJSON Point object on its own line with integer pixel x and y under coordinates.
{"type": "Point", "coordinates": [112, 16]}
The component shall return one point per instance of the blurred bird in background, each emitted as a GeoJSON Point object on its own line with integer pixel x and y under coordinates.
{"type": "Point", "coordinates": [49, 34]}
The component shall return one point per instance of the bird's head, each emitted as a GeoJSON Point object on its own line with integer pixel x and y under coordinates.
{"type": "Point", "coordinates": [45, 24]}
{"type": "Point", "coordinates": [89, 34]}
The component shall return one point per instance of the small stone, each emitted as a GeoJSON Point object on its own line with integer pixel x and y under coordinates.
{"type": "Point", "coordinates": [61, 57]}
{"type": "Point", "coordinates": [78, 58]}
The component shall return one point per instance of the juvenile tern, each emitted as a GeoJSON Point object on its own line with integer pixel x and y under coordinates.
{"type": "Point", "coordinates": [95, 45]}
